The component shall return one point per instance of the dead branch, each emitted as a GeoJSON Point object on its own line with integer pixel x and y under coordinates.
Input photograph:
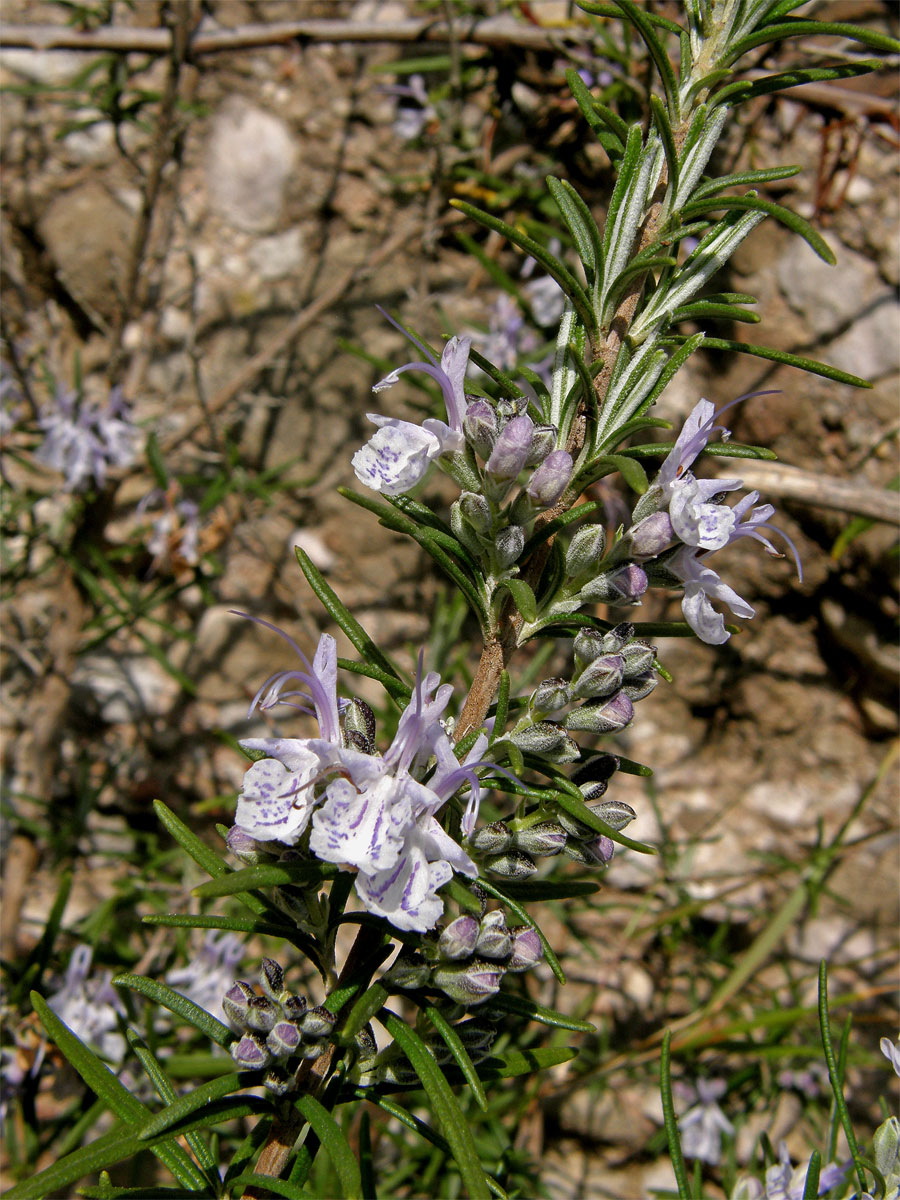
{"type": "Point", "coordinates": [819, 491]}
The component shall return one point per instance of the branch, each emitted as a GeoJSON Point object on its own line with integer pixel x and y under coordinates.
{"type": "Point", "coordinates": [492, 31]}
{"type": "Point", "coordinates": [819, 491]}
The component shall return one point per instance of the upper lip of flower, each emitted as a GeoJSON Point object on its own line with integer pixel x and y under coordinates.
{"type": "Point", "coordinates": [449, 372]}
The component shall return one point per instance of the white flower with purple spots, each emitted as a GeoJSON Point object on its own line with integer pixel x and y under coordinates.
{"type": "Point", "coordinates": [373, 814]}
{"type": "Point", "coordinates": [400, 454]}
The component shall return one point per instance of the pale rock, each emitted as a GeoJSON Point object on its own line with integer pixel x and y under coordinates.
{"type": "Point", "coordinates": [126, 687]}
{"type": "Point", "coordinates": [311, 543]}
{"type": "Point", "coordinates": [827, 297]}
{"type": "Point", "coordinates": [280, 255]}
{"type": "Point", "coordinates": [871, 346]}
{"type": "Point", "coordinates": [250, 157]}
{"type": "Point", "coordinates": [56, 67]}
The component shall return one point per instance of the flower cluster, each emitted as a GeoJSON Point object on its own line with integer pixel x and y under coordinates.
{"type": "Point", "coordinates": [467, 958]}
{"type": "Point", "coordinates": [688, 511]}
{"type": "Point", "coordinates": [90, 1006]}
{"type": "Point", "coordinates": [279, 1029]}
{"type": "Point", "coordinates": [209, 972]}
{"type": "Point", "coordinates": [84, 440]}
{"type": "Point", "coordinates": [336, 799]}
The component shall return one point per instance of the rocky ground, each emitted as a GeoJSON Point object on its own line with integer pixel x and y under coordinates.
{"type": "Point", "coordinates": [243, 329]}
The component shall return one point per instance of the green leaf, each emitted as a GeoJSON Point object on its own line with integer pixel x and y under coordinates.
{"type": "Point", "coordinates": [267, 1183]}
{"type": "Point", "coordinates": [345, 619]}
{"type": "Point", "coordinates": [501, 711]}
{"type": "Point", "coordinates": [537, 890]}
{"type": "Point", "coordinates": [336, 1145]}
{"type": "Point", "coordinates": [394, 688]}
{"type": "Point", "coordinates": [524, 1062]}
{"type": "Point", "coordinates": [701, 310]}
{"type": "Point", "coordinates": [582, 226]}
{"type": "Point", "coordinates": [459, 1052]}
{"type": "Point", "coordinates": [627, 172]}
{"type": "Point", "coordinates": [642, 23]}
{"type": "Point", "coordinates": [235, 924]}
{"type": "Point", "coordinates": [163, 995]}
{"type": "Point", "coordinates": [369, 1003]}
{"type": "Point", "coordinates": [607, 124]}
{"type": "Point", "coordinates": [553, 527]}
{"type": "Point", "coordinates": [444, 1104]}
{"type": "Point", "coordinates": [743, 179]}
{"type": "Point", "coordinates": [792, 220]}
{"type": "Point", "coordinates": [670, 1120]}
{"type": "Point", "coordinates": [107, 1087]}
{"type": "Point", "coordinates": [523, 1007]}
{"type": "Point", "coordinates": [554, 268]}
{"type": "Point", "coordinates": [612, 9]}
{"type": "Point", "coordinates": [636, 480]}
{"type": "Point", "coordinates": [199, 1098]}
{"type": "Point", "coordinates": [522, 595]}
{"type": "Point", "coordinates": [664, 128]}
{"type": "Point", "coordinates": [168, 1095]}
{"type": "Point", "coordinates": [522, 914]}
{"type": "Point", "coordinates": [801, 27]}
{"type": "Point", "coordinates": [717, 450]}
{"type": "Point", "coordinates": [202, 854]}
{"type": "Point", "coordinates": [788, 360]}
{"type": "Point", "coordinates": [580, 811]}
{"type": "Point", "coordinates": [267, 875]}
{"type": "Point", "coordinates": [627, 765]}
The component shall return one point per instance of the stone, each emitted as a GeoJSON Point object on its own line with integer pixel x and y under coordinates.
{"type": "Point", "coordinates": [828, 297]}
{"type": "Point", "coordinates": [871, 346]}
{"type": "Point", "coordinates": [125, 687]}
{"type": "Point", "coordinates": [250, 157]}
{"type": "Point", "coordinates": [280, 255]}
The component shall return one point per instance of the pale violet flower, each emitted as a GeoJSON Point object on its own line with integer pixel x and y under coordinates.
{"type": "Point", "coordinates": [701, 1127]}
{"type": "Point", "coordinates": [400, 454]}
{"type": "Point", "coordinates": [891, 1051]}
{"type": "Point", "coordinates": [414, 110]}
{"type": "Point", "coordinates": [784, 1182]}
{"type": "Point", "coordinates": [701, 586]}
{"type": "Point", "coordinates": [208, 976]}
{"type": "Point", "coordinates": [84, 440]}
{"type": "Point", "coordinates": [90, 1006]}
{"type": "Point", "coordinates": [375, 814]}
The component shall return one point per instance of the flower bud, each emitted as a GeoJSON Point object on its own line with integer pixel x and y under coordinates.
{"type": "Point", "coordinates": [511, 449]}
{"type": "Point", "coordinates": [277, 1081]}
{"type": "Point", "coordinates": [595, 853]}
{"type": "Point", "coordinates": [250, 1054]}
{"type": "Point", "coordinates": [284, 1039]}
{"type": "Point", "coordinates": [547, 838]}
{"type": "Point", "coordinates": [543, 439]}
{"type": "Point", "coordinates": [551, 479]}
{"type": "Point", "coordinates": [491, 839]}
{"type": "Point", "coordinates": [476, 511]}
{"type": "Point", "coordinates": [598, 769]}
{"type": "Point", "coordinates": [588, 644]}
{"type": "Point", "coordinates": [602, 716]}
{"type": "Point", "coordinates": [601, 677]}
{"type": "Point", "coordinates": [293, 1007]}
{"type": "Point", "coordinates": [541, 738]}
{"type": "Point", "coordinates": [615, 641]}
{"type": "Point", "coordinates": [585, 550]}
{"type": "Point", "coordinates": [470, 984]}
{"type": "Point", "coordinates": [639, 658]}
{"type": "Point", "coordinates": [651, 536]}
{"type": "Point", "coordinates": [458, 939]}
{"type": "Point", "coordinates": [513, 864]}
{"type": "Point", "coordinates": [358, 718]}
{"type": "Point", "coordinates": [476, 1035]}
{"type": "Point", "coordinates": [494, 939]}
{"type": "Point", "coordinates": [366, 1045]}
{"type": "Point", "coordinates": [625, 585]}
{"type": "Point", "coordinates": [549, 695]}
{"type": "Point", "coordinates": [317, 1022]}
{"type": "Point", "coordinates": [314, 1048]}
{"type": "Point", "coordinates": [236, 1003]}
{"type": "Point", "coordinates": [526, 950]}
{"type": "Point", "coordinates": [409, 970]}
{"type": "Point", "coordinates": [511, 406]}
{"type": "Point", "coordinates": [480, 427]}
{"type": "Point", "coordinates": [246, 848]}
{"type": "Point", "coordinates": [261, 1014]}
{"type": "Point", "coordinates": [640, 686]}
{"type": "Point", "coordinates": [616, 813]}
{"type": "Point", "coordinates": [271, 978]}
{"type": "Point", "coordinates": [651, 502]}
{"type": "Point", "coordinates": [886, 1148]}
{"type": "Point", "coordinates": [508, 545]}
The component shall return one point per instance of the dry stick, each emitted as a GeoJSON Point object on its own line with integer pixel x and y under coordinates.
{"type": "Point", "coordinates": [496, 31]}
{"type": "Point", "coordinates": [293, 329]}
{"type": "Point", "coordinates": [178, 39]}
{"type": "Point", "coordinates": [820, 491]}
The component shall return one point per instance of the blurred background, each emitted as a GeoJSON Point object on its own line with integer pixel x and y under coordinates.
{"type": "Point", "coordinates": [203, 208]}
